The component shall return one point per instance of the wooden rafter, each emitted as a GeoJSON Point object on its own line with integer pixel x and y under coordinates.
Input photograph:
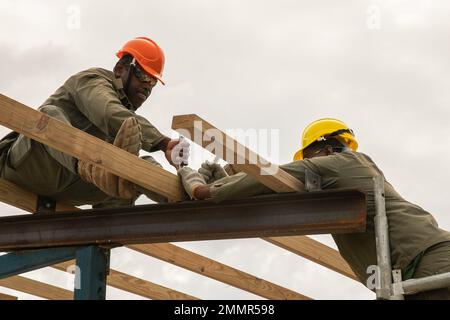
{"type": "Point", "coordinates": [36, 288]}
{"type": "Point", "coordinates": [245, 160]}
{"type": "Point", "coordinates": [217, 271]}
{"type": "Point", "coordinates": [7, 297]}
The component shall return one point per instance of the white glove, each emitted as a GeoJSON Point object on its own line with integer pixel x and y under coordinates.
{"type": "Point", "coordinates": [212, 172]}
{"type": "Point", "coordinates": [191, 180]}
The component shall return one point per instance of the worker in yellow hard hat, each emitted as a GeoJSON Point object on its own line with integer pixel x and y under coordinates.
{"type": "Point", "coordinates": [329, 148]}
{"type": "Point", "coordinates": [104, 104]}
{"type": "Point", "coordinates": [325, 129]}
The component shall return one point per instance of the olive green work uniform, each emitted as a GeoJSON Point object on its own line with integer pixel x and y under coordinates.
{"type": "Point", "coordinates": [93, 101]}
{"type": "Point", "coordinates": [413, 232]}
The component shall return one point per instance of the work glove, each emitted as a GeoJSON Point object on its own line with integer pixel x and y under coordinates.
{"type": "Point", "coordinates": [212, 172]}
{"type": "Point", "coordinates": [191, 180]}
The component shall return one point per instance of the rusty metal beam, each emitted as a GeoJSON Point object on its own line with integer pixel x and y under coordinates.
{"type": "Point", "coordinates": [334, 211]}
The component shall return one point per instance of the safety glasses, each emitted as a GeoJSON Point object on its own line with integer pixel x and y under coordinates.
{"type": "Point", "coordinates": [142, 75]}
{"type": "Point", "coordinates": [335, 134]}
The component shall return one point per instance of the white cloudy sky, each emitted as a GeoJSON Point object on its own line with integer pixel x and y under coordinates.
{"type": "Point", "coordinates": [263, 65]}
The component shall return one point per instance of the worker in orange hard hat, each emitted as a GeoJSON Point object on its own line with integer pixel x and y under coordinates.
{"type": "Point", "coordinates": [140, 67]}
{"type": "Point", "coordinates": [147, 53]}
{"type": "Point", "coordinates": [329, 147]}
{"type": "Point", "coordinates": [102, 103]}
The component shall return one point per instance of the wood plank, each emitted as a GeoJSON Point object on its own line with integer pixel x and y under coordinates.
{"type": "Point", "coordinates": [217, 271]}
{"type": "Point", "coordinates": [315, 251]}
{"type": "Point", "coordinates": [36, 288]}
{"type": "Point", "coordinates": [135, 285]}
{"type": "Point", "coordinates": [301, 245]}
{"type": "Point", "coordinates": [81, 145]}
{"type": "Point", "coordinates": [4, 297]}
{"type": "Point", "coordinates": [241, 158]}
{"type": "Point", "coordinates": [18, 197]}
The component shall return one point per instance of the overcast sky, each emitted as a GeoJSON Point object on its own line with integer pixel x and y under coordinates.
{"type": "Point", "coordinates": [380, 66]}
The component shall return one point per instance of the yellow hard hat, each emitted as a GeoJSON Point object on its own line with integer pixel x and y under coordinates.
{"type": "Point", "coordinates": [322, 129]}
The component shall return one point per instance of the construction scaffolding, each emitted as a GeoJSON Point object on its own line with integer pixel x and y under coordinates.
{"type": "Point", "coordinates": [61, 236]}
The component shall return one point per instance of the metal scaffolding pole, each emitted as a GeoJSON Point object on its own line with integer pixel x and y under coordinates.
{"type": "Point", "coordinates": [382, 241]}
{"type": "Point", "coordinates": [438, 281]}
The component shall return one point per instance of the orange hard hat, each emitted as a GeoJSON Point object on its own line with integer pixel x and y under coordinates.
{"type": "Point", "coordinates": [147, 53]}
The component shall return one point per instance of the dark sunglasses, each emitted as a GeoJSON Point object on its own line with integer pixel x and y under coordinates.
{"type": "Point", "coordinates": [142, 75]}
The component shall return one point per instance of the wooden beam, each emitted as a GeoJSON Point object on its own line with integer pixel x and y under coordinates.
{"type": "Point", "coordinates": [217, 271]}
{"type": "Point", "coordinates": [18, 197]}
{"type": "Point", "coordinates": [204, 133]}
{"type": "Point", "coordinates": [79, 144]}
{"type": "Point", "coordinates": [36, 288]}
{"type": "Point", "coordinates": [185, 259]}
{"type": "Point", "coordinates": [243, 159]}
{"type": "Point", "coordinates": [135, 285]}
{"type": "Point", "coordinates": [4, 297]}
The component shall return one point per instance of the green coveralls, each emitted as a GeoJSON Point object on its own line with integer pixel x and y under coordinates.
{"type": "Point", "coordinates": [413, 231]}
{"type": "Point", "coordinates": [93, 101]}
